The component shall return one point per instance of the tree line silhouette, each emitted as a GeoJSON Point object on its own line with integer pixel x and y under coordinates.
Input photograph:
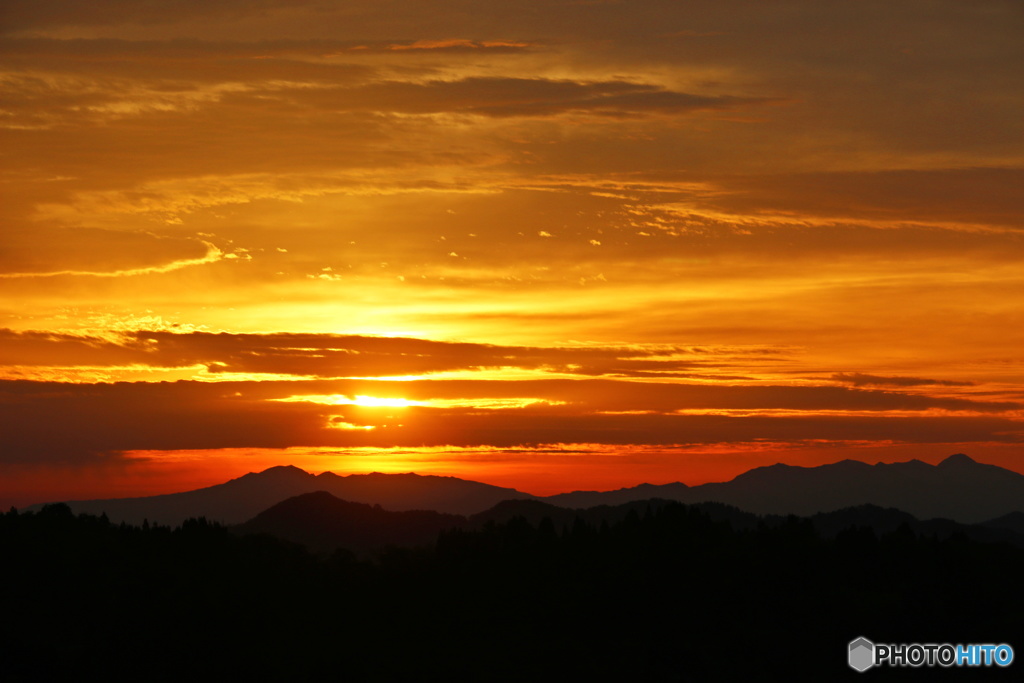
{"type": "Point", "coordinates": [660, 591]}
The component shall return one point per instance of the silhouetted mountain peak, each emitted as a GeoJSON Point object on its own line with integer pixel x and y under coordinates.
{"type": "Point", "coordinates": [314, 501]}
{"type": "Point", "coordinates": [322, 521]}
{"type": "Point", "coordinates": [912, 464]}
{"type": "Point", "coordinates": [523, 506]}
{"type": "Point", "coordinates": [278, 472]}
{"type": "Point", "coordinates": [767, 472]}
{"type": "Point", "coordinates": [658, 487]}
{"type": "Point", "coordinates": [1013, 521]}
{"type": "Point", "coordinates": [958, 460]}
{"type": "Point", "coordinates": [283, 468]}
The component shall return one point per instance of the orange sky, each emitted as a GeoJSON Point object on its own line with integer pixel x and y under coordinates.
{"type": "Point", "coordinates": [587, 243]}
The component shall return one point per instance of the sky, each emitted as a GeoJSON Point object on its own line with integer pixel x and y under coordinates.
{"type": "Point", "coordinates": [545, 244]}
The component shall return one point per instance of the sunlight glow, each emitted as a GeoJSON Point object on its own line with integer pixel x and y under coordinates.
{"type": "Point", "coordinates": [358, 400]}
{"type": "Point", "coordinates": [376, 402]}
{"type": "Point", "coordinates": [339, 424]}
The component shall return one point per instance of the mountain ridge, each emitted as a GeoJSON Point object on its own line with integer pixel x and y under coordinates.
{"type": "Point", "coordinates": [957, 488]}
{"type": "Point", "coordinates": [242, 498]}
{"type": "Point", "coordinates": [324, 523]}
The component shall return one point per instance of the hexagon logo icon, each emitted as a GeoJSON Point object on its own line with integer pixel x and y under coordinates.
{"type": "Point", "coordinates": [862, 654]}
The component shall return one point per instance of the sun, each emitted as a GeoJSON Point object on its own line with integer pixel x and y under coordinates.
{"type": "Point", "coordinates": [358, 400]}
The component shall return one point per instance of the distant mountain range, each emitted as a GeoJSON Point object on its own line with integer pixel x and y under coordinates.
{"type": "Point", "coordinates": [958, 489]}
{"type": "Point", "coordinates": [243, 498]}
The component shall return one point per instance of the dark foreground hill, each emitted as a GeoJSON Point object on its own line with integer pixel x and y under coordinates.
{"type": "Point", "coordinates": [322, 523]}
{"type": "Point", "coordinates": [666, 594]}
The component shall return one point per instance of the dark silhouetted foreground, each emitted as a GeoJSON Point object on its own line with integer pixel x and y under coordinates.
{"type": "Point", "coordinates": [661, 592]}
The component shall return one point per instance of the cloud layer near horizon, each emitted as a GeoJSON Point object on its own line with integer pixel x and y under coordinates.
{"type": "Point", "coordinates": [283, 390]}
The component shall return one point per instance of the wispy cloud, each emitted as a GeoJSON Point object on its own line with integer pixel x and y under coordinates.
{"type": "Point", "coordinates": [861, 379]}
{"type": "Point", "coordinates": [125, 252]}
